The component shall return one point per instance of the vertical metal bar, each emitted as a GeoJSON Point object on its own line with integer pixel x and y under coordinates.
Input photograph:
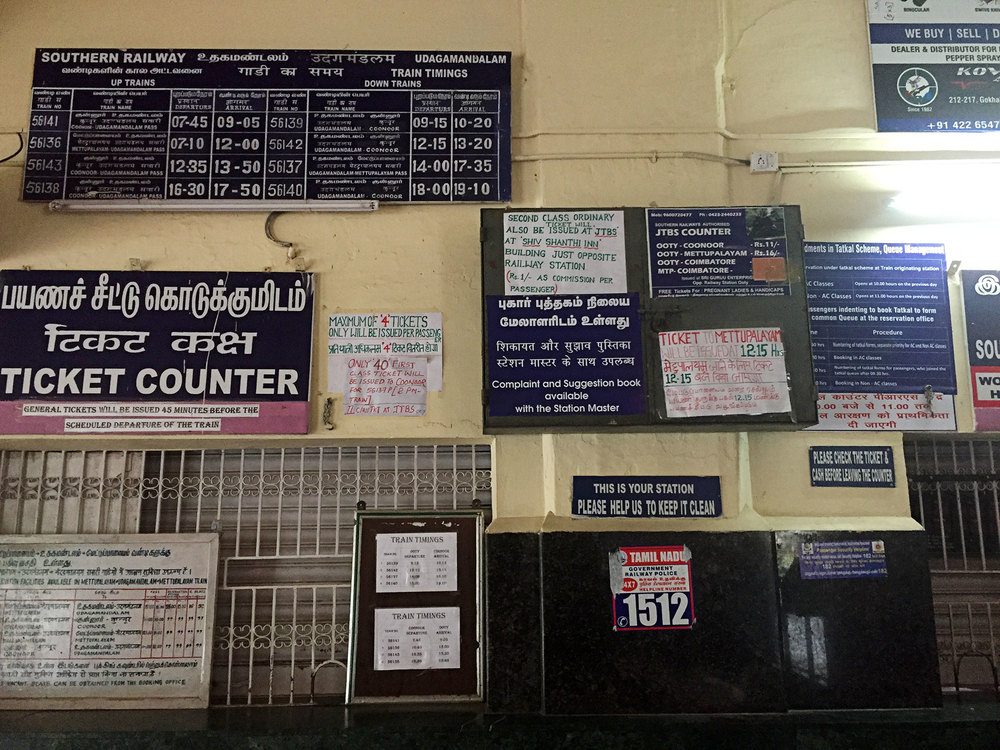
{"type": "Point", "coordinates": [232, 646]}
{"type": "Point", "coordinates": [81, 506]}
{"type": "Point", "coordinates": [253, 643]}
{"type": "Point", "coordinates": [239, 502]}
{"type": "Point", "coordinates": [122, 493]}
{"type": "Point", "coordinates": [302, 489]}
{"type": "Point", "coordinates": [940, 503]}
{"type": "Point", "coordinates": [434, 481]}
{"type": "Point", "coordinates": [375, 477]}
{"type": "Point", "coordinates": [180, 491]}
{"type": "Point", "coordinates": [260, 502]}
{"type": "Point", "coordinates": [989, 626]}
{"type": "Point", "coordinates": [19, 524]}
{"type": "Point", "coordinates": [291, 668]}
{"type": "Point", "coordinates": [339, 491]}
{"type": "Point", "coordinates": [979, 514]}
{"type": "Point", "coordinates": [312, 640]}
{"type": "Point", "coordinates": [958, 508]}
{"type": "Point", "coordinates": [201, 490]}
{"type": "Point", "coordinates": [319, 496]}
{"type": "Point", "coordinates": [357, 471]}
{"type": "Point", "coordinates": [395, 476]}
{"type": "Point", "coordinates": [274, 641]}
{"type": "Point", "coordinates": [159, 493]}
{"type": "Point", "coordinates": [281, 495]}
{"type": "Point", "coordinates": [996, 497]}
{"type": "Point", "coordinates": [454, 477]}
{"type": "Point", "coordinates": [220, 493]}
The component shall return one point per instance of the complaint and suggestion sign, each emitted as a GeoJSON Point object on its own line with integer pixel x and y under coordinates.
{"type": "Point", "coordinates": [646, 497]}
{"type": "Point", "coordinates": [155, 352]}
{"type": "Point", "coordinates": [269, 125]}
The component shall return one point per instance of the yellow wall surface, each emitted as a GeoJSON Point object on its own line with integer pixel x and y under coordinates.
{"type": "Point", "coordinates": [635, 103]}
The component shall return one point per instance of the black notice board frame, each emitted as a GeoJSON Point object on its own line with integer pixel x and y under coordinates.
{"type": "Point", "coordinates": [661, 314]}
{"type": "Point", "coordinates": [368, 685]}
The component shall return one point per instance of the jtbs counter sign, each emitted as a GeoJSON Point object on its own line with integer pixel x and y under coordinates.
{"type": "Point", "coordinates": [135, 352]}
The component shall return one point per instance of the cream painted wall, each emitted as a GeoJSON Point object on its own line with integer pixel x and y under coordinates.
{"type": "Point", "coordinates": [641, 102]}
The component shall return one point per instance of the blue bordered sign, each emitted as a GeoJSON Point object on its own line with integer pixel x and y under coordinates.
{"type": "Point", "coordinates": [269, 125]}
{"type": "Point", "coordinates": [852, 466]}
{"type": "Point", "coordinates": [646, 497]}
{"type": "Point", "coordinates": [861, 558]}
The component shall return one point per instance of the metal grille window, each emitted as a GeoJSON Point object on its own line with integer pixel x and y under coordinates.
{"type": "Point", "coordinates": [285, 519]}
{"type": "Point", "coordinates": [955, 494]}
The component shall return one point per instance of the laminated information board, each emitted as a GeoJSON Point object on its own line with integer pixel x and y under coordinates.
{"type": "Point", "coordinates": [415, 607]}
{"type": "Point", "coordinates": [267, 125]}
{"type": "Point", "coordinates": [631, 316]}
{"type": "Point", "coordinates": [936, 65]}
{"type": "Point", "coordinates": [880, 320]}
{"type": "Point", "coordinates": [106, 621]}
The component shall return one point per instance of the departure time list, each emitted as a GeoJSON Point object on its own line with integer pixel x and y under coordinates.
{"type": "Point", "coordinates": [222, 125]}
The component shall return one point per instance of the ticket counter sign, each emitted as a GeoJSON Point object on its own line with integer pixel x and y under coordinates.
{"type": "Point", "coordinates": [154, 352]}
{"type": "Point", "coordinates": [651, 588]}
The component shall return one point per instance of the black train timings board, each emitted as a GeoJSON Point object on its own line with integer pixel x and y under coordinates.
{"type": "Point", "coordinates": [572, 314]}
{"type": "Point", "coordinates": [283, 125]}
{"type": "Point", "coordinates": [415, 607]}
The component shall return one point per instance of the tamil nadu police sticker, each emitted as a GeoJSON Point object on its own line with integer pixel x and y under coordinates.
{"type": "Point", "coordinates": [651, 587]}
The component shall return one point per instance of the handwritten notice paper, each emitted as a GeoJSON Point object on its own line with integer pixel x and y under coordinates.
{"type": "Point", "coordinates": [719, 372]}
{"type": "Point", "coordinates": [386, 386]}
{"type": "Point", "coordinates": [94, 621]}
{"type": "Point", "coordinates": [564, 252]}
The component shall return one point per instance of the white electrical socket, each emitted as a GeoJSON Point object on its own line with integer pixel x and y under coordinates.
{"type": "Point", "coordinates": [764, 161]}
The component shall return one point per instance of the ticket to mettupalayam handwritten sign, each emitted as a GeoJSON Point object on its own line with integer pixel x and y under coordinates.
{"type": "Point", "coordinates": [719, 372]}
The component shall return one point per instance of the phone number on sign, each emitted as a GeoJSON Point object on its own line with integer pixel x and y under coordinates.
{"type": "Point", "coordinates": [964, 125]}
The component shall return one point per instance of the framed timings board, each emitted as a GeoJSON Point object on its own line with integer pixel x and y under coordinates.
{"type": "Point", "coordinates": [416, 628]}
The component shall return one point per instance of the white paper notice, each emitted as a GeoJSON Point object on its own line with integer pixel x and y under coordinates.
{"type": "Point", "coordinates": [564, 252]}
{"type": "Point", "coordinates": [384, 334]}
{"type": "Point", "coordinates": [416, 562]}
{"type": "Point", "coordinates": [884, 411]}
{"type": "Point", "coordinates": [386, 386]}
{"type": "Point", "coordinates": [719, 372]}
{"type": "Point", "coordinates": [417, 638]}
